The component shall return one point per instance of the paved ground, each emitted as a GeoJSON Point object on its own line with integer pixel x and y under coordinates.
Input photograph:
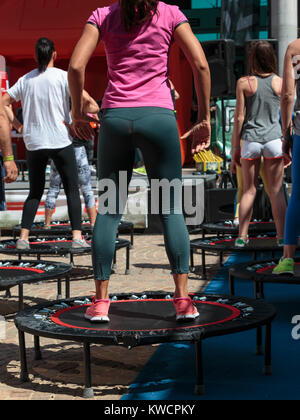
{"type": "Point", "coordinates": [60, 374]}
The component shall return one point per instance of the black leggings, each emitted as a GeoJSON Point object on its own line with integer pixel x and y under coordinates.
{"type": "Point", "coordinates": [154, 131]}
{"type": "Point", "coordinates": [65, 163]}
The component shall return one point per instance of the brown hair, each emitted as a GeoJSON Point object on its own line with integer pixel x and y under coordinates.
{"type": "Point", "coordinates": [135, 12]}
{"type": "Point", "coordinates": [262, 58]}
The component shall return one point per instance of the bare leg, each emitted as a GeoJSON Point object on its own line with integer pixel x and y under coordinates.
{"type": "Point", "coordinates": [250, 170]}
{"type": "Point", "coordinates": [274, 177]}
{"type": "Point", "coordinates": [101, 289]}
{"type": "Point", "coordinates": [92, 213]}
{"type": "Point", "coordinates": [24, 234]}
{"type": "Point", "coordinates": [181, 285]}
{"type": "Point", "coordinates": [289, 251]}
{"type": "Point", "coordinates": [48, 216]}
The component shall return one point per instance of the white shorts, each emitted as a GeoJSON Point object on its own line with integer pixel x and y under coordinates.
{"type": "Point", "coordinates": [252, 150]}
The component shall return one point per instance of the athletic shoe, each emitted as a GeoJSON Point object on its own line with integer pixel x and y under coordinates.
{"type": "Point", "coordinates": [280, 242]}
{"type": "Point", "coordinates": [22, 244]}
{"type": "Point", "coordinates": [80, 243]}
{"type": "Point", "coordinates": [98, 311]}
{"type": "Point", "coordinates": [185, 309]}
{"type": "Point", "coordinates": [236, 223]}
{"type": "Point", "coordinates": [285, 266]}
{"type": "Point", "coordinates": [241, 243]}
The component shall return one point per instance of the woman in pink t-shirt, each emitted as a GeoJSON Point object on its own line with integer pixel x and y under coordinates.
{"type": "Point", "coordinates": [138, 111]}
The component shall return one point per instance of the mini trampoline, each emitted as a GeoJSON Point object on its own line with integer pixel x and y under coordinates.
{"type": "Point", "coordinates": [16, 273]}
{"type": "Point", "coordinates": [143, 319]}
{"type": "Point", "coordinates": [226, 245]}
{"type": "Point", "coordinates": [227, 228]}
{"type": "Point", "coordinates": [64, 228]}
{"type": "Point", "coordinates": [58, 247]}
{"type": "Point", "coordinates": [260, 272]}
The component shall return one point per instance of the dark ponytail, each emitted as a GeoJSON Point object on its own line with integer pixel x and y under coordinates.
{"type": "Point", "coordinates": [44, 50]}
{"type": "Point", "coordinates": [136, 12]}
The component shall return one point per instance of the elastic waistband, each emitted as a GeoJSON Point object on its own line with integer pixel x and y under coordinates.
{"type": "Point", "coordinates": [136, 113]}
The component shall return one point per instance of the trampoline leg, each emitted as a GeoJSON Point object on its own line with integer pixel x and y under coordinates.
{"type": "Point", "coordinates": [192, 261]}
{"type": "Point", "coordinates": [261, 290]}
{"type": "Point", "coordinates": [255, 256]}
{"type": "Point", "coordinates": [221, 259]}
{"type": "Point", "coordinates": [256, 290]}
{"type": "Point", "coordinates": [268, 341]}
{"type": "Point", "coordinates": [37, 348]}
{"type": "Point", "coordinates": [23, 360]}
{"type": "Point", "coordinates": [71, 259]}
{"type": "Point", "coordinates": [59, 295]}
{"type": "Point", "coordinates": [259, 347]}
{"type": "Point", "coordinates": [199, 387]}
{"type": "Point", "coordinates": [67, 287]}
{"type": "Point", "coordinates": [132, 237]}
{"type": "Point", "coordinates": [7, 294]}
{"type": "Point", "coordinates": [231, 285]}
{"type": "Point", "coordinates": [203, 265]}
{"type": "Point", "coordinates": [88, 390]}
{"type": "Point", "coordinates": [114, 266]}
{"type": "Point", "coordinates": [21, 297]}
{"type": "Point", "coordinates": [127, 271]}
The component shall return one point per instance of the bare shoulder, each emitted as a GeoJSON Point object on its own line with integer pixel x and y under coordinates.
{"type": "Point", "coordinates": [294, 48]}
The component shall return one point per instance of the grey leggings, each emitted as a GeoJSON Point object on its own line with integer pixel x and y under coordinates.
{"type": "Point", "coordinates": [154, 131]}
{"type": "Point", "coordinates": [84, 177]}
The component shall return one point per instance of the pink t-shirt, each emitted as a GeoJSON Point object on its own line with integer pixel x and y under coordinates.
{"type": "Point", "coordinates": [138, 62]}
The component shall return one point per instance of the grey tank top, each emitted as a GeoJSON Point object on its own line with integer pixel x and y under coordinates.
{"type": "Point", "coordinates": [262, 113]}
{"type": "Point", "coordinates": [297, 110]}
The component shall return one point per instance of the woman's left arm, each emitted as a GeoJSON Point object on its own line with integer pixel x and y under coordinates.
{"type": "Point", "coordinates": [76, 76]}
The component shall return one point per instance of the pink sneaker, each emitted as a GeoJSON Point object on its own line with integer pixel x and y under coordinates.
{"type": "Point", "coordinates": [98, 311]}
{"type": "Point", "coordinates": [185, 309]}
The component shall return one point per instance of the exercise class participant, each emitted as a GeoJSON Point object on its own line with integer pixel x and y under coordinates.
{"type": "Point", "coordinates": [45, 97]}
{"type": "Point", "coordinates": [84, 178]}
{"type": "Point", "coordinates": [138, 112]}
{"type": "Point", "coordinates": [257, 125]}
{"type": "Point", "coordinates": [291, 149]}
{"type": "Point", "coordinates": [9, 165]}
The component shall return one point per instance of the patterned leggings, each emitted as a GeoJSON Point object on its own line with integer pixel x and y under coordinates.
{"type": "Point", "coordinates": [84, 175]}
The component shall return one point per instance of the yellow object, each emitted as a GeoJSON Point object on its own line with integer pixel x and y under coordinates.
{"type": "Point", "coordinates": [9, 158]}
{"type": "Point", "coordinates": [206, 160]}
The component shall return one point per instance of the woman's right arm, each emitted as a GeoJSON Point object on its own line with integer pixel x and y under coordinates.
{"type": "Point", "coordinates": [76, 76]}
{"type": "Point", "coordinates": [239, 118]}
{"type": "Point", "coordinates": [194, 53]}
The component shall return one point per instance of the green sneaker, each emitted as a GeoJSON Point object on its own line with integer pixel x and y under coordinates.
{"type": "Point", "coordinates": [285, 266]}
{"type": "Point", "coordinates": [241, 243]}
{"type": "Point", "coordinates": [280, 243]}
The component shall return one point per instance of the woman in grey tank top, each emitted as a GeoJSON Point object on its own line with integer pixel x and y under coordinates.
{"type": "Point", "coordinates": [257, 134]}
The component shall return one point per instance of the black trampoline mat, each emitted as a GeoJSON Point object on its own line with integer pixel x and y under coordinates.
{"type": "Point", "coordinates": [226, 244]}
{"type": "Point", "coordinates": [146, 315]}
{"type": "Point", "coordinates": [18, 271]}
{"type": "Point", "coordinates": [268, 270]}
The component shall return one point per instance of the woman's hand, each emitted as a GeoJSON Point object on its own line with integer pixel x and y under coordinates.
{"type": "Point", "coordinates": [201, 135]}
{"type": "Point", "coordinates": [82, 127]}
{"type": "Point", "coordinates": [287, 153]}
{"type": "Point", "coordinates": [11, 172]}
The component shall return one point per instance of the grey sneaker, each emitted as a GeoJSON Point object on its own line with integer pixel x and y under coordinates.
{"type": "Point", "coordinates": [22, 244]}
{"type": "Point", "coordinates": [80, 243]}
